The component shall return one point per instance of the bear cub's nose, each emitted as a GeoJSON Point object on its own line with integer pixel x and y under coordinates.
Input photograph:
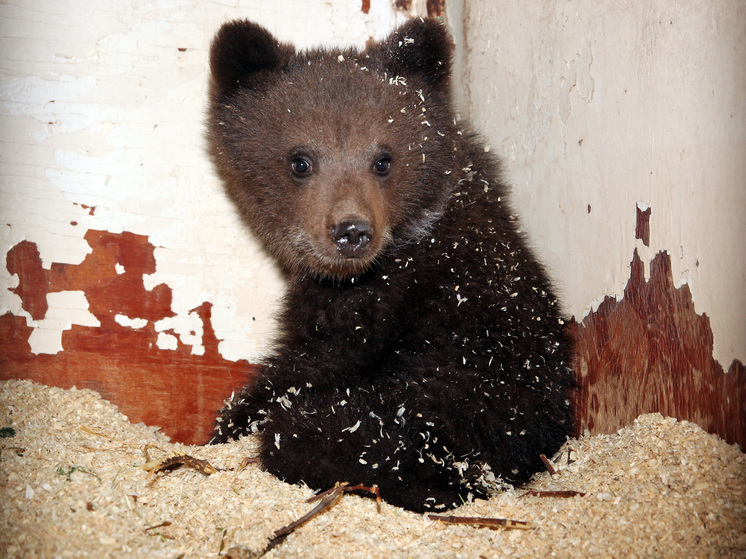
{"type": "Point", "coordinates": [352, 237]}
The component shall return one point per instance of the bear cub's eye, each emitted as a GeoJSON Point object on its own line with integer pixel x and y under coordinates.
{"type": "Point", "coordinates": [301, 166]}
{"type": "Point", "coordinates": [382, 165]}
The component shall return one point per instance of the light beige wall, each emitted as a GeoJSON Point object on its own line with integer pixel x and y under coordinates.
{"type": "Point", "coordinates": [102, 105]}
{"type": "Point", "coordinates": [609, 105]}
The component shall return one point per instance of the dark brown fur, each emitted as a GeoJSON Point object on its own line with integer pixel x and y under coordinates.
{"type": "Point", "coordinates": [421, 348]}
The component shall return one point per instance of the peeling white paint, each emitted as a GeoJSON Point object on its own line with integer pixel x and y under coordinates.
{"type": "Point", "coordinates": [187, 327]}
{"type": "Point", "coordinates": [167, 341]}
{"type": "Point", "coordinates": [593, 307]}
{"type": "Point", "coordinates": [608, 105]}
{"type": "Point", "coordinates": [103, 105]}
{"type": "Point", "coordinates": [134, 323]}
{"type": "Point", "coordinates": [685, 279]}
{"type": "Point", "coordinates": [65, 309]}
{"type": "Point", "coordinates": [590, 104]}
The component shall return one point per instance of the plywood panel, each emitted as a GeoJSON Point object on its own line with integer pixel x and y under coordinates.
{"type": "Point", "coordinates": [152, 376]}
{"type": "Point", "coordinates": [651, 352]}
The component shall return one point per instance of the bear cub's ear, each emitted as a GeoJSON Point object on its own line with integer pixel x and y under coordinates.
{"type": "Point", "coordinates": [420, 47]}
{"type": "Point", "coordinates": [241, 49]}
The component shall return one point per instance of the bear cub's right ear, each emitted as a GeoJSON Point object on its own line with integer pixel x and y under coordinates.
{"type": "Point", "coordinates": [240, 50]}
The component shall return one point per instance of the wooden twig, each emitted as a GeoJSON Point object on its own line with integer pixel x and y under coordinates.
{"type": "Point", "coordinates": [350, 489]}
{"type": "Point", "coordinates": [120, 444]}
{"type": "Point", "coordinates": [161, 525]}
{"type": "Point", "coordinates": [246, 462]}
{"type": "Point", "coordinates": [373, 489]}
{"type": "Point", "coordinates": [174, 462]}
{"type": "Point", "coordinates": [327, 500]}
{"type": "Point", "coordinates": [153, 528]}
{"type": "Point", "coordinates": [558, 494]}
{"type": "Point", "coordinates": [18, 450]}
{"type": "Point", "coordinates": [482, 522]}
{"type": "Point", "coordinates": [548, 464]}
{"type": "Point", "coordinates": [569, 455]}
{"type": "Point", "coordinates": [92, 432]}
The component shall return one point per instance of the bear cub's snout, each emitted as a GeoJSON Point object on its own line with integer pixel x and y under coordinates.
{"type": "Point", "coordinates": [353, 235]}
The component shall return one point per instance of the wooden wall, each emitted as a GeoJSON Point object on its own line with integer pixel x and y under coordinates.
{"type": "Point", "coordinates": [648, 352]}
{"type": "Point", "coordinates": [124, 268]}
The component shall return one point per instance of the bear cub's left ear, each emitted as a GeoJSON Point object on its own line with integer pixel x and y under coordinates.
{"type": "Point", "coordinates": [420, 47]}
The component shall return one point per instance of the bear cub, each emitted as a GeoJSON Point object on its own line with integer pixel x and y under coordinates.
{"type": "Point", "coordinates": [421, 348]}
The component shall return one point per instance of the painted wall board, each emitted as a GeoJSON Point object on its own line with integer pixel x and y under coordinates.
{"type": "Point", "coordinates": [623, 128]}
{"type": "Point", "coordinates": [114, 228]}
{"type": "Point", "coordinates": [599, 107]}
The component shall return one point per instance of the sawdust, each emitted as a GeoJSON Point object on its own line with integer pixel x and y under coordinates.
{"type": "Point", "coordinates": [72, 485]}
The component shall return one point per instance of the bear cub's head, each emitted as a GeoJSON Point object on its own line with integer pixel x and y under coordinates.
{"type": "Point", "coordinates": [334, 157]}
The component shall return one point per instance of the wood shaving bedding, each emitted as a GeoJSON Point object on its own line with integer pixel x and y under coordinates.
{"type": "Point", "coordinates": [72, 484]}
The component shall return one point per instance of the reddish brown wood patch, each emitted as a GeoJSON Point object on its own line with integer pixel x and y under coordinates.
{"type": "Point", "coordinates": [642, 228]}
{"type": "Point", "coordinates": [435, 8]}
{"type": "Point", "coordinates": [174, 389]}
{"type": "Point", "coordinates": [651, 352]}
{"type": "Point", "coordinates": [648, 352]}
{"type": "Point", "coordinates": [25, 261]}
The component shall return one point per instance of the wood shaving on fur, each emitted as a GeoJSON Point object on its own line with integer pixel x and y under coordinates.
{"type": "Point", "coordinates": [73, 485]}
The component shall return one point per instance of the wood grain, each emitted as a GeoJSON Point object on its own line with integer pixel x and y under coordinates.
{"type": "Point", "coordinates": [651, 352]}
{"type": "Point", "coordinates": [175, 389]}
{"type": "Point", "coordinates": [648, 352]}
